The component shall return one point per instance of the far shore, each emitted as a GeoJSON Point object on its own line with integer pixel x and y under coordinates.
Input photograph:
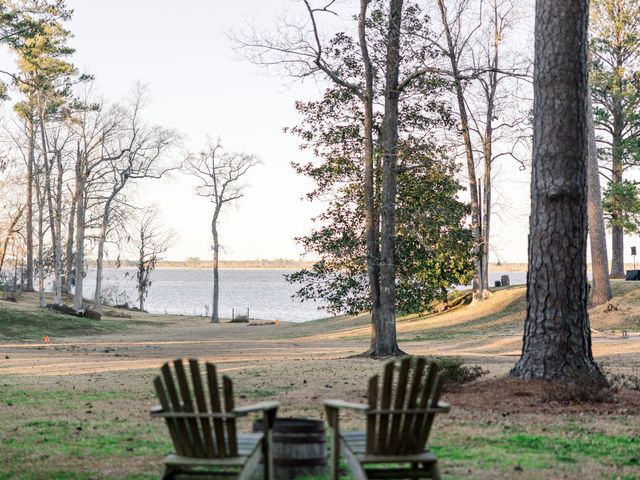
{"type": "Point", "coordinates": [286, 264]}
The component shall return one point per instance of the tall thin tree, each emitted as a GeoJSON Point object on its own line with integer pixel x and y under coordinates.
{"type": "Point", "coordinates": [220, 174]}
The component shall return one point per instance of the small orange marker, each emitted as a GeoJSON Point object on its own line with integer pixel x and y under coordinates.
{"type": "Point", "coordinates": [277, 322]}
{"type": "Point", "coordinates": [46, 339]}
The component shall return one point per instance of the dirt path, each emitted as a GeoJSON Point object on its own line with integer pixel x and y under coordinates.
{"type": "Point", "coordinates": [242, 346]}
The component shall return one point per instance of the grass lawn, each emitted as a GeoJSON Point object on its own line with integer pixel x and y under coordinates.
{"type": "Point", "coordinates": [77, 408]}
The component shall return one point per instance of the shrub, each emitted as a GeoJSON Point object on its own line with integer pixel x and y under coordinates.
{"type": "Point", "coordinates": [455, 372]}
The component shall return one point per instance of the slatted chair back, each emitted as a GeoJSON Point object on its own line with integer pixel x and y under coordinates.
{"type": "Point", "coordinates": [403, 407]}
{"type": "Point", "coordinates": [211, 432]}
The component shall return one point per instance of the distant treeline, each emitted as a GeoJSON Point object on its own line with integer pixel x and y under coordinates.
{"type": "Point", "coordinates": [198, 263]}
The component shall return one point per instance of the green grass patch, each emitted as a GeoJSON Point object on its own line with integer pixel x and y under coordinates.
{"type": "Point", "coordinates": [270, 391]}
{"type": "Point", "coordinates": [563, 449]}
{"type": "Point", "coordinates": [63, 399]}
{"type": "Point", "coordinates": [33, 324]}
{"type": "Point", "coordinates": [96, 439]}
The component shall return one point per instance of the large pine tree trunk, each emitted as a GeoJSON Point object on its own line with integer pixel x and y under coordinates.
{"type": "Point", "coordinates": [557, 339]}
{"type": "Point", "coordinates": [601, 290]}
{"type": "Point", "coordinates": [387, 343]}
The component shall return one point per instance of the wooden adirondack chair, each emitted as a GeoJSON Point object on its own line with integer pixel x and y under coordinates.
{"type": "Point", "coordinates": [203, 432]}
{"type": "Point", "coordinates": [399, 418]}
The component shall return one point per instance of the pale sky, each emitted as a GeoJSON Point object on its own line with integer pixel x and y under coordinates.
{"type": "Point", "coordinates": [198, 85]}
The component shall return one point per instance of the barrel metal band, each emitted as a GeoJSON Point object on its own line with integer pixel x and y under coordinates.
{"type": "Point", "coordinates": [300, 462]}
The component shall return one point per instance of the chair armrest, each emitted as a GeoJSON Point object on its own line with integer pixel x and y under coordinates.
{"type": "Point", "coordinates": [338, 404]}
{"type": "Point", "coordinates": [155, 410]}
{"type": "Point", "coordinates": [268, 409]}
{"type": "Point", "coordinates": [257, 407]}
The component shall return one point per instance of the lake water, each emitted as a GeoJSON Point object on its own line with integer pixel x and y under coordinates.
{"type": "Point", "coordinates": [264, 292]}
{"type": "Point", "coordinates": [188, 292]}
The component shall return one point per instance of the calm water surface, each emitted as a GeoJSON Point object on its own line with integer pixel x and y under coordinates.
{"type": "Point", "coordinates": [264, 292]}
{"type": "Point", "coordinates": [188, 292]}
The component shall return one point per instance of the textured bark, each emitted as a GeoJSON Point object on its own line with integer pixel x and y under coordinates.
{"type": "Point", "coordinates": [387, 344]}
{"type": "Point", "coordinates": [557, 338]}
{"type": "Point", "coordinates": [601, 286]}
{"type": "Point", "coordinates": [476, 227]}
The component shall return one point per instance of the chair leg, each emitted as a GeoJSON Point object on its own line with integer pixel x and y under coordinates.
{"type": "Point", "coordinates": [169, 472]}
{"type": "Point", "coordinates": [435, 472]}
{"type": "Point", "coordinates": [415, 466]}
{"type": "Point", "coordinates": [335, 449]}
{"type": "Point", "coordinates": [267, 456]}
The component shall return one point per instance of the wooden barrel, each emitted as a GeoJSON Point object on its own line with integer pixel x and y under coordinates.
{"type": "Point", "coordinates": [298, 447]}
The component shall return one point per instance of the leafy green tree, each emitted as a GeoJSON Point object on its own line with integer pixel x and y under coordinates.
{"type": "Point", "coordinates": [621, 204]}
{"type": "Point", "coordinates": [615, 87]}
{"type": "Point", "coordinates": [433, 244]}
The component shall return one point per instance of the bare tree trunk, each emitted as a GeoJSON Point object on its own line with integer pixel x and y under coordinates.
{"type": "Point", "coordinates": [387, 342]}
{"type": "Point", "coordinates": [29, 219]}
{"type": "Point", "coordinates": [617, 168]}
{"type": "Point", "coordinates": [141, 275]}
{"type": "Point", "coordinates": [104, 227]}
{"type": "Point", "coordinates": [601, 291]}
{"type": "Point", "coordinates": [68, 275]}
{"type": "Point", "coordinates": [476, 227]}
{"type": "Point", "coordinates": [78, 300]}
{"type": "Point", "coordinates": [54, 218]}
{"type": "Point", "coordinates": [371, 217]}
{"type": "Point", "coordinates": [215, 316]}
{"type": "Point", "coordinates": [617, 249]}
{"type": "Point", "coordinates": [486, 218]}
{"type": "Point", "coordinates": [557, 338]}
{"type": "Point", "coordinates": [11, 230]}
{"type": "Point", "coordinates": [41, 300]}
{"type": "Point", "coordinates": [41, 232]}
{"type": "Point", "coordinates": [490, 93]}
{"type": "Point", "coordinates": [57, 246]}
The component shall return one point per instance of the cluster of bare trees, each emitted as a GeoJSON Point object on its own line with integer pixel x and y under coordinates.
{"type": "Point", "coordinates": [69, 158]}
{"type": "Point", "coordinates": [81, 164]}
